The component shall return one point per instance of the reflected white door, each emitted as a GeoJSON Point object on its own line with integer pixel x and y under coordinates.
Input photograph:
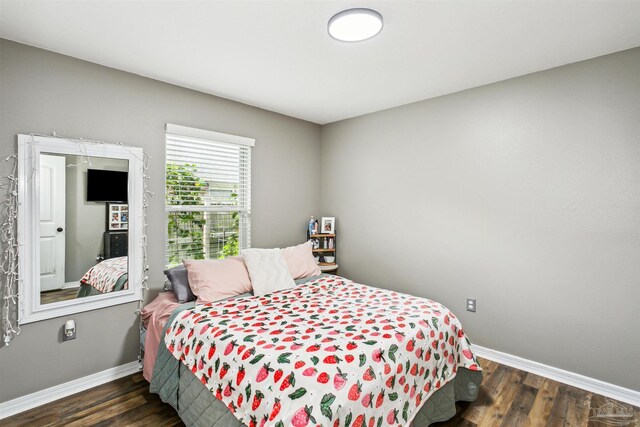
{"type": "Point", "coordinates": [52, 222]}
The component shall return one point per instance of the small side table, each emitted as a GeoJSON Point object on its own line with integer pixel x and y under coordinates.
{"type": "Point", "coordinates": [333, 269]}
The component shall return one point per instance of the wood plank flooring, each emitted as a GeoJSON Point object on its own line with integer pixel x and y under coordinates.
{"type": "Point", "coordinates": [508, 397]}
{"type": "Point", "coordinates": [58, 295]}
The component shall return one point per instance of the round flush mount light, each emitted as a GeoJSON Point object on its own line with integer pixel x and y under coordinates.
{"type": "Point", "coordinates": [354, 25]}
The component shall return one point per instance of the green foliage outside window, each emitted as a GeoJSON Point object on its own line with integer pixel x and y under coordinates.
{"type": "Point", "coordinates": [231, 247]}
{"type": "Point", "coordinates": [185, 229]}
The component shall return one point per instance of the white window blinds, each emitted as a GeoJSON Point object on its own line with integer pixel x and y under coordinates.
{"type": "Point", "coordinates": [208, 194]}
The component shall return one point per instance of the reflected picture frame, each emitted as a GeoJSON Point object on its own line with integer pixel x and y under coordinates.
{"type": "Point", "coordinates": [117, 216]}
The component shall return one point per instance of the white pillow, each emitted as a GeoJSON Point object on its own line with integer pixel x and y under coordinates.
{"type": "Point", "coordinates": [268, 270]}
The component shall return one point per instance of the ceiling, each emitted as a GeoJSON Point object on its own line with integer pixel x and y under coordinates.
{"type": "Point", "coordinates": [277, 55]}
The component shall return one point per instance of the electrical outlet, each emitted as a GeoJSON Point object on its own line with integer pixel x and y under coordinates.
{"type": "Point", "coordinates": [69, 330]}
{"type": "Point", "coordinates": [471, 305]}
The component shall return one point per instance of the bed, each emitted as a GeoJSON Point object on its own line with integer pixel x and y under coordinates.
{"type": "Point", "coordinates": [327, 352]}
{"type": "Point", "coordinates": [109, 275]}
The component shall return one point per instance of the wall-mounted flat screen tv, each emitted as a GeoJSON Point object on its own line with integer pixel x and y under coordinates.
{"type": "Point", "coordinates": [107, 186]}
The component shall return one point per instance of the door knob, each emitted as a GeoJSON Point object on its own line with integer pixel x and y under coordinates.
{"type": "Point", "coordinates": [59, 229]}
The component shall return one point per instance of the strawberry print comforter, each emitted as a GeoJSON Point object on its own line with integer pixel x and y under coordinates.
{"type": "Point", "coordinates": [330, 352]}
{"type": "Point", "coordinates": [105, 275]}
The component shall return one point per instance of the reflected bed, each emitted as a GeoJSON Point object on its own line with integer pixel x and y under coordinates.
{"type": "Point", "coordinates": [107, 276]}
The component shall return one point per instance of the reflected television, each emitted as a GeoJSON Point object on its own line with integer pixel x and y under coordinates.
{"type": "Point", "coordinates": [107, 186]}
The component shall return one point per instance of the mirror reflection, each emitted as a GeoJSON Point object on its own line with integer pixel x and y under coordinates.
{"type": "Point", "coordinates": [84, 222]}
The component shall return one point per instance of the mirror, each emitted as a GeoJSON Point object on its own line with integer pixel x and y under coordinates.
{"type": "Point", "coordinates": [84, 221]}
{"type": "Point", "coordinates": [79, 226]}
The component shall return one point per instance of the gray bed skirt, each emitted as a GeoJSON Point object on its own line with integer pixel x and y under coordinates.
{"type": "Point", "coordinates": [198, 407]}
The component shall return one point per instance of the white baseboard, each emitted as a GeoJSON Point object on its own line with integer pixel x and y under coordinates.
{"type": "Point", "coordinates": [33, 400]}
{"type": "Point", "coordinates": [69, 285]}
{"type": "Point", "coordinates": [566, 377]}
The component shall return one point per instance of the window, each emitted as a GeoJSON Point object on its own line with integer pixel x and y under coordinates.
{"type": "Point", "coordinates": [208, 194]}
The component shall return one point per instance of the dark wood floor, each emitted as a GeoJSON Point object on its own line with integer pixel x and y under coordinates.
{"type": "Point", "coordinates": [58, 295]}
{"type": "Point", "coordinates": [511, 397]}
{"type": "Point", "coordinates": [508, 397]}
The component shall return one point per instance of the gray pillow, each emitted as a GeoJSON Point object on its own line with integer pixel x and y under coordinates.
{"type": "Point", "coordinates": [180, 283]}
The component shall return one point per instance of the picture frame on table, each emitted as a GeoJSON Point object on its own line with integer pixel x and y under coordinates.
{"type": "Point", "coordinates": [117, 216]}
{"type": "Point", "coordinates": [328, 225]}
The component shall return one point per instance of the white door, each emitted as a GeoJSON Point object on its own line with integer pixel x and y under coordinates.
{"type": "Point", "coordinates": [52, 222]}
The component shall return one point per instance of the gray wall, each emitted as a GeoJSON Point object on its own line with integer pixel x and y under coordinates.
{"type": "Point", "coordinates": [43, 92]}
{"type": "Point", "coordinates": [85, 221]}
{"type": "Point", "coordinates": [523, 194]}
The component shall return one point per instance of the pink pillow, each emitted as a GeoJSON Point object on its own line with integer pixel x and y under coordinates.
{"type": "Point", "coordinates": [215, 279]}
{"type": "Point", "coordinates": [300, 261]}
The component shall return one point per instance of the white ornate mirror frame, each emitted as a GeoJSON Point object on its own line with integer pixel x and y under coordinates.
{"type": "Point", "coordinates": [29, 149]}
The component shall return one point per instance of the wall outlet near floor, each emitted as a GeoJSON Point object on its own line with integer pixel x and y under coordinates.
{"type": "Point", "coordinates": [471, 304]}
{"type": "Point", "coordinates": [69, 331]}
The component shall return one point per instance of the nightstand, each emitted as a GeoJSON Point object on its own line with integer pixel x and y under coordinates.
{"type": "Point", "coordinates": [326, 248]}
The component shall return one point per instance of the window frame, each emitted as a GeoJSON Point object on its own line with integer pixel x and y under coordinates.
{"type": "Point", "coordinates": [179, 131]}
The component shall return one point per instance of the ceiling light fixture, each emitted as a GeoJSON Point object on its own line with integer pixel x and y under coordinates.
{"type": "Point", "coordinates": [354, 25]}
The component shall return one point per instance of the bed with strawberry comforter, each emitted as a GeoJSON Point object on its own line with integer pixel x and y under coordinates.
{"type": "Point", "coordinates": [327, 352]}
{"type": "Point", "coordinates": [109, 275]}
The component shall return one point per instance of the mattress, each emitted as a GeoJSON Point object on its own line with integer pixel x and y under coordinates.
{"type": "Point", "coordinates": [180, 387]}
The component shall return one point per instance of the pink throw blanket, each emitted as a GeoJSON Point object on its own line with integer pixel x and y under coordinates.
{"type": "Point", "coordinates": [154, 316]}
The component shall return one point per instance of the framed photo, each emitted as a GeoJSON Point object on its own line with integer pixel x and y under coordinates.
{"type": "Point", "coordinates": [328, 225]}
{"type": "Point", "coordinates": [117, 216]}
